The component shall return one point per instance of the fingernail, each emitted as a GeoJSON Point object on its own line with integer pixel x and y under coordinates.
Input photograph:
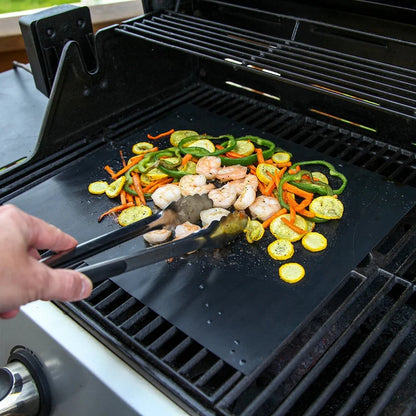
{"type": "Point", "coordinates": [86, 286]}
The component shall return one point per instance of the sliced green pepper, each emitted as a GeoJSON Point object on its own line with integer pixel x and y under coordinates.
{"type": "Point", "coordinates": [249, 160]}
{"type": "Point", "coordinates": [332, 172]}
{"type": "Point", "coordinates": [200, 152]}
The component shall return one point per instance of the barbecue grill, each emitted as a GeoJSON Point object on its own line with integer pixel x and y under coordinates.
{"type": "Point", "coordinates": [328, 79]}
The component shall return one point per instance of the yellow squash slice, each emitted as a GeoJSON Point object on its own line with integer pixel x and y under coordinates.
{"type": "Point", "coordinates": [281, 157]}
{"type": "Point", "coordinates": [280, 230]}
{"type": "Point", "coordinates": [133, 214]}
{"type": "Point", "coordinates": [178, 135]}
{"type": "Point", "coordinates": [244, 147]}
{"type": "Point", "coordinates": [291, 272]}
{"type": "Point", "coordinates": [263, 172]}
{"type": "Point", "coordinates": [254, 231]}
{"type": "Point", "coordinates": [314, 241]}
{"type": "Point", "coordinates": [98, 187]}
{"type": "Point", "coordinates": [327, 207]}
{"type": "Point", "coordinates": [141, 147]}
{"type": "Point", "coordinates": [281, 249]}
{"type": "Point", "coordinates": [115, 187]}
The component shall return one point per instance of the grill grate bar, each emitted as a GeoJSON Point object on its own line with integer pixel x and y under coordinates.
{"type": "Point", "coordinates": [398, 379]}
{"type": "Point", "coordinates": [357, 357]}
{"type": "Point", "coordinates": [380, 364]}
{"type": "Point", "coordinates": [307, 380]}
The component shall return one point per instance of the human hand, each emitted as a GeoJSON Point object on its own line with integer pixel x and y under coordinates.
{"type": "Point", "coordinates": [23, 278]}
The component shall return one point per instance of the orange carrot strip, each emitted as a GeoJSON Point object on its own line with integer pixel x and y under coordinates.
{"type": "Point", "coordinates": [157, 184]}
{"type": "Point", "coordinates": [109, 170]}
{"type": "Point", "coordinates": [137, 201]}
{"type": "Point", "coordinates": [296, 170]}
{"type": "Point", "coordinates": [123, 197]}
{"type": "Point", "coordinates": [284, 164]}
{"type": "Point", "coordinates": [129, 197]}
{"type": "Point", "coordinates": [303, 204]}
{"type": "Point", "coordinates": [262, 188]}
{"type": "Point", "coordinates": [166, 133]}
{"type": "Point", "coordinates": [118, 208]}
{"type": "Point", "coordinates": [123, 161]}
{"type": "Point", "coordinates": [271, 185]}
{"type": "Point", "coordinates": [186, 159]}
{"type": "Point", "coordinates": [259, 153]}
{"type": "Point", "coordinates": [267, 222]}
{"type": "Point", "coordinates": [233, 155]}
{"type": "Point", "coordinates": [294, 189]}
{"type": "Point", "coordinates": [306, 213]}
{"type": "Point", "coordinates": [295, 228]}
{"type": "Point", "coordinates": [138, 187]}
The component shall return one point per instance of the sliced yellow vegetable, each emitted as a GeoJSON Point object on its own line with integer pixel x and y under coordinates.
{"type": "Point", "coordinates": [254, 231]}
{"type": "Point", "coordinates": [320, 177]}
{"type": "Point", "coordinates": [115, 187]}
{"type": "Point", "coordinates": [291, 272]}
{"type": "Point", "coordinates": [280, 230]}
{"type": "Point", "coordinates": [141, 147]}
{"type": "Point", "coordinates": [202, 143]}
{"type": "Point", "coordinates": [281, 157]}
{"type": "Point", "coordinates": [262, 172]}
{"type": "Point", "coordinates": [178, 135]}
{"type": "Point", "coordinates": [133, 214]}
{"type": "Point", "coordinates": [244, 147]}
{"type": "Point", "coordinates": [98, 187]}
{"type": "Point", "coordinates": [310, 225]}
{"type": "Point", "coordinates": [327, 207]}
{"type": "Point", "coordinates": [281, 249]}
{"type": "Point", "coordinates": [314, 241]}
{"type": "Point", "coordinates": [152, 175]}
{"type": "Point", "coordinates": [189, 168]}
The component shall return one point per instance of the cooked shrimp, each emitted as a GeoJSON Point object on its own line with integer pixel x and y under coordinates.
{"type": "Point", "coordinates": [185, 229]}
{"type": "Point", "coordinates": [248, 193]}
{"type": "Point", "coordinates": [208, 166]}
{"type": "Point", "coordinates": [264, 207]}
{"type": "Point", "coordinates": [237, 185]}
{"type": "Point", "coordinates": [194, 184]}
{"type": "Point", "coordinates": [230, 173]}
{"type": "Point", "coordinates": [166, 194]}
{"type": "Point", "coordinates": [223, 197]}
{"type": "Point", "coordinates": [246, 198]}
{"type": "Point", "coordinates": [212, 214]}
{"type": "Point", "coordinates": [157, 236]}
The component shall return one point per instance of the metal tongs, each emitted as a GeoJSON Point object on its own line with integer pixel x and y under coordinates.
{"type": "Point", "coordinates": [216, 235]}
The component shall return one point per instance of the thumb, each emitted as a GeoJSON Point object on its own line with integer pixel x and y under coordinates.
{"type": "Point", "coordinates": [65, 285]}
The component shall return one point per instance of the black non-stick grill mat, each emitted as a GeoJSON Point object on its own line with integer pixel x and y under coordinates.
{"type": "Point", "coordinates": [231, 300]}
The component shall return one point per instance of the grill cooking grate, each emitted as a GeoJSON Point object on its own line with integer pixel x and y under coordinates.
{"type": "Point", "coordinates": [287, 58]}
{"type": "Point", "coordinates": [353, 357]}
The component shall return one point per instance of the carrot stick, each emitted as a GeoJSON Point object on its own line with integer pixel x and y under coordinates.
{"type": "Point", "coordinates": [186, 159]}
{"type": "Point", "coordinates": [284, 164]}
{"type": "Point", "coordinates": [118, 208]}
{"type": "Point", "coordinates": [295, 228]}
{"type": "Point", "coordinates": [306, 213]}
{"type": "Point", "coordinates": [138, 187]}
{"type": "Point", "coordinates": [295, 190]}
{"type": "Point", "coordinates": [156, 184]}
{"type": "Point", "coordinates": [129, 197]}
{"type": "Point", "coordinates": [259, 153]}
{"type": "Point", "coordinates": [303, 204]}
{"type": "Point", "coordinates": [233, 155]}
{"type": "Point", "coordinates": [296, 170]}
{"type": "Point", "coordinates": [262, 188]}
{"type": "Point", "coordinates": [166, 133]}
{"type": "Point", "coordinates": [123, 161]}
{"type": "Point", "coordinates": [123, 198]}
{"type": "Point", "coordinates": [110, 171]}
{"type": "Point", "coordinates": [267, 222]}
{"type": "Point", "coordinates": [270, 186]}
{"type": "Point", "coordinates": [133, 161]}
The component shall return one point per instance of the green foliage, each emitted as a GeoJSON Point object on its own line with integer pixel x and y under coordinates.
{"type": "Point", "coordinates": [7, 6]}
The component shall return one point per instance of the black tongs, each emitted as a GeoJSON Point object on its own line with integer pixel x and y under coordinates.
{"type": "Point", "coordinates": [218, 234]}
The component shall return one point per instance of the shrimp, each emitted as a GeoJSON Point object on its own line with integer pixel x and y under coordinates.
{"type": "Point", "coordinates": [223, 197]}
{"type": "Point", "coordinates": [212, 214]}
{"type": "Point", "coordinates": [157, 236]}
{"type": "Point", "coordinates": [248, 194]}
{"type": "Point", "coordinates": [194, 184]}
{"type": "Point", "coordinates": [264, 207]}
{"type": "Point", "coordinates": [229, 173]}
{"type": "Point", "coordinates": [185, 229]}
{"type": "Point", "coordinates": [208, 166]}
{"type": "Point", "coordinates": [166, 194]}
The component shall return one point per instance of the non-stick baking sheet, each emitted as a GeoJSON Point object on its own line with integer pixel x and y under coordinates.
{"type": "Point", "coordinates": [230, 300]}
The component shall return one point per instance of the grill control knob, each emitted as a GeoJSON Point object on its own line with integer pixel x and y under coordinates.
{"type": "Point", "coordinates": [23, 386]}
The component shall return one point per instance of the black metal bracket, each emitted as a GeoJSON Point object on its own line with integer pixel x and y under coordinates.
{"type": "Point", "coordinates": [45, 35]}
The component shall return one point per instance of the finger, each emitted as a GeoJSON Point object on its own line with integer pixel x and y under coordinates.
{"type": "Point", "coordinates": [47, 236]}
{"type": "Point", "coordinates": [63, 284]}
{"type": "Point", "coordinates": [9, 314]}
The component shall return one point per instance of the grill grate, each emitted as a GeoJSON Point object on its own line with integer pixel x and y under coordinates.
{"type": "Point", "coordinates": [353, 357]}
{"type": "Point", "coordinates": [352, 77]}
